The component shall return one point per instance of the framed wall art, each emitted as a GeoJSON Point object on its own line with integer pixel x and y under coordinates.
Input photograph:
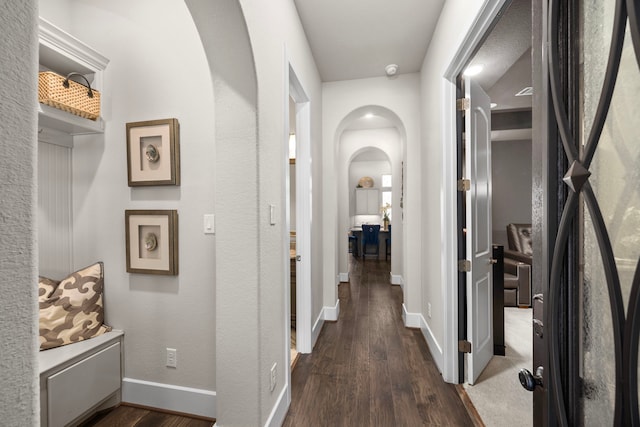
{"type": "Point", "coordinates": [153, 152]}
{"type": "Point", "coordinates": [152, 241]}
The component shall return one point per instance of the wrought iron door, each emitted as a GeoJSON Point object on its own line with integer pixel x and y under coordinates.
{"type": "Point", "coordinates": [594, 81]}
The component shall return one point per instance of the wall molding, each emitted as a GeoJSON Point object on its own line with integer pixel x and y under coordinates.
{"type": "Point", "coordinates": [317, 327]}
{"type": "Point", "coordinates": [396, 279]}
{"type": "Point", "coordinates": [331, 313]}
{"type": "Point", "coordinates": [279, 411]}
{"type": "Point", "coordinates": [186, 400]}
{"type": "Point", "coordinates": [417, 320]}
{"type": "Point", "coordinates": [343, 277]}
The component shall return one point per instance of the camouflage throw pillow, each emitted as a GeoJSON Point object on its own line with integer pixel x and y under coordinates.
{"type": "Point", "coordinates": [46, 287]}
{"type": "Point", "coordinates": [74, 311]}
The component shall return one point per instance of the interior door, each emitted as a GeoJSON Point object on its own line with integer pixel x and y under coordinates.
{"type": "Point", "coordinates": [478, 221]}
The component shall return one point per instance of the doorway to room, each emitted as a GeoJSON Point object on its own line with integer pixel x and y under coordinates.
{"type": "Point", "coordinates": [494, 218]}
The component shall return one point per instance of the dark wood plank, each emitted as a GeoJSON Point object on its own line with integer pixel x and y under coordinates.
{"type": "Point", "coordinates": [367, 369]}
{"type": "Point", "coordinates": [131, 416]}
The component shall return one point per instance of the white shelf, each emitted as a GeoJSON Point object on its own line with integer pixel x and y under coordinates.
{"type": "Point", "coordinates": [62, 53]}
{"type": "Point", "coordinates": [52, 118]}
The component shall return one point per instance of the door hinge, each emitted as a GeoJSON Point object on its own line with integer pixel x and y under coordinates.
{"type": "Point", "coordinates": [464, 346]}
{"type": "Point", "coordinates": [464, 184]}
{"type": "Point", "coordinates": [463, 104]}
{"type": "Point", "coordinates": [464, 265]}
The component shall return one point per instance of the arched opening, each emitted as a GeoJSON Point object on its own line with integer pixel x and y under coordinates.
{"type": "Point", "coordinates": [366, 139]}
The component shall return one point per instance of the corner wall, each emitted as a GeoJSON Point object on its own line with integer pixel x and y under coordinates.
{"type": "Point", "coordinates": [19, 399]}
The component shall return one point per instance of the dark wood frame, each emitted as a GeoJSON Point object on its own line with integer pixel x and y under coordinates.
{"type": "Point", "coordinates": [174, 152]}
{"type": "Point", "coordinates": [172, 217]}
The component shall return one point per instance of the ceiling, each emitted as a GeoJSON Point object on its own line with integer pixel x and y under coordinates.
{"type": "Point", "coordinates": [356, 39]}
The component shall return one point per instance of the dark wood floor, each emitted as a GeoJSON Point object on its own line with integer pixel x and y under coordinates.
{"type": "Point", "coordinates": [367, 369]}
{"type": "Point", "coordinates": [128, 416]}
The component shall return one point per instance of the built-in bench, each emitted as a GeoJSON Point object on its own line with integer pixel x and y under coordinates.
{"type": "Point", "coordinates": [79, 379]}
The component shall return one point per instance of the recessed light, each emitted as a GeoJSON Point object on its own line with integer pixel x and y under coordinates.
{"type": "Point", "coordinates": [473, 70]}
{"type": "Point", "coordinates": [368, 116]}
{"type": "Point", "coordinates": [493, 105]}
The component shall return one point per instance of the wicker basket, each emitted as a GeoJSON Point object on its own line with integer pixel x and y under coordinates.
{"type": "Point", "coordinates": [60, 92]}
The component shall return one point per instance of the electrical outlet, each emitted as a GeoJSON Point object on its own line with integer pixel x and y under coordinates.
{"type": "Point", "coordinates": [172, 357]}
{"type": "Point", "coordinates": [272, 379]}
{"type": "Point", "coordinates": [429, 310]}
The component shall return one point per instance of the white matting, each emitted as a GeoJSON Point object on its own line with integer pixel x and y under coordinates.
{"type": "Point", "coordinates": [498, 395]}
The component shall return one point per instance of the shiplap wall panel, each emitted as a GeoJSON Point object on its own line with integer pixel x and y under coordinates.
{"type": "Point", "coordinates": [55, 218]}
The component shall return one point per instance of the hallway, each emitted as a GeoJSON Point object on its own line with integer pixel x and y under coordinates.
{"type": "Point", "coordinates": [367, 369]}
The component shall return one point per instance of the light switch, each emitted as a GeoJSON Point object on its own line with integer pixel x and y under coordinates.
{"type": "Point", "coordinates": [209, 224]}
{"type": "Point", "coordinates": [272, 214]}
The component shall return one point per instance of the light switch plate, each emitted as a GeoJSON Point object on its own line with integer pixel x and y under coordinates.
{"type": "Point", "coordinates": [272, 214]}
{"type": "Point", "coordinates": [209, 224]}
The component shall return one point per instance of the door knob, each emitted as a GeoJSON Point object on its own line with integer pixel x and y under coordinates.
{"type": "Point", "coordinates": [530, 381]}
{"type": "Point", "coordinates": [493, 261]}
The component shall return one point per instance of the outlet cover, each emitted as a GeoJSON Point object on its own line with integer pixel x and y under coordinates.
{"type": "Point", "coordinates": [172, 358]}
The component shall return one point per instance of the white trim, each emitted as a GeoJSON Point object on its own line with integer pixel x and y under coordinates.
{"type": "Point", "coordinates": [331, 313]}
{"type": "Point", "coordinates": [69, 46]}
{"type": "Point", "coordinates": [432, 343]}
{"type": "Point", "coordinates": [417, 320]}
{"type": "Point", "coordinates": [279, 411]}
{"type": "Point", "coordinates": [449, 359]}
{"type": "Point", "coordinates": [411, 320]}
{"type": "Point", "coordinates": [304, 339]}
{"type": "Point", "coordinates": [317, 327]}
{"type": "Point", "coordinates": [343, 277]}
{"type": "Point", "coordinates": [169, 397]}
{"type": "Point", "coordinates": [396, 279]}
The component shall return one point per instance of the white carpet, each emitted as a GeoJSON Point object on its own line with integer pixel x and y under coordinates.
{"type": "Point", "coordinates": [498, 395]}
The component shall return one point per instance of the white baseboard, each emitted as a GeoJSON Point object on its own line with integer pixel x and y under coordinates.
{"type": "Point", "coordinates": [417, 320]}
{"type": "Point", "coordinates": [170, 397]}
{"type": "Point", "coordinates": [327, 313]}
{"type": "Point", "coordinates": [331, 313]}
{"type": "Point", "coordinates": [396, 279]}
{"type": "Point", "coordinates": [317, 327]}
{"type": "Point", "coordinates": [279, 411]}
{"type": "Point", "coordinates": [411, 320]}
{"type": "Point", "coordinates": [343, 277]}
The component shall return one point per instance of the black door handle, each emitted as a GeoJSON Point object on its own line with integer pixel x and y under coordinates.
{"type": "Point", "coordinates": [530, 381]}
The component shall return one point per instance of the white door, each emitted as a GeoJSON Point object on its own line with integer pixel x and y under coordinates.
{"type": "Point", "coordinates": [479, 279]}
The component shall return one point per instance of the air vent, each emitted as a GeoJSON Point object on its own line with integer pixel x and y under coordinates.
{"type": "Point", "coordinates": [527, 91]}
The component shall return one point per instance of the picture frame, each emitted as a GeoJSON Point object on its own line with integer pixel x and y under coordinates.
{"type": "Point", "coordinates": [152, 241]}
{"type": "Point", "coordinates": [153, 152]}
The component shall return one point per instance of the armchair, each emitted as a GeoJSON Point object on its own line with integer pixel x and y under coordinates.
{"type": "Point", "coordinates": [517, 266]}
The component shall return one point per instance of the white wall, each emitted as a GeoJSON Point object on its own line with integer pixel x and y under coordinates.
{"type": "Point", "coordinates": [19, 399]}
{"type": "Point", "coordinates": [401, 96]}
{"type": "Point", "coordinates": [511, 178]}
{"type": "Point", "coordinates": [277, 40]}
{"type": "Point", "coordinates": [157, 70]}
{"type": "Point", "coordinates": [456, 19]}
{"type": "Point", "coordinates": [373, 169]}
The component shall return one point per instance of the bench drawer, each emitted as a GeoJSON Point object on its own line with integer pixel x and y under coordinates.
{"type": "Point", "coordinates": [83, 385]}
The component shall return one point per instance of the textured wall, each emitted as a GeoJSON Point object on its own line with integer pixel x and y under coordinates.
{"type": "Point", "coordinates": [19, 399]}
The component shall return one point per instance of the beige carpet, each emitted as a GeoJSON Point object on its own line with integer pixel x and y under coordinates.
{"type": "Point", "coordinates": [498, 395]}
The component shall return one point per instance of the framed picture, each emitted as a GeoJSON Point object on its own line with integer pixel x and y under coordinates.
{"type": "Point", "coordinates": [152, 241]}
{"type": "Point", "coordinates": [153, 152]}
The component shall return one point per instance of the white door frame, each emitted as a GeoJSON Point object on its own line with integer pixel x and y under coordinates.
{"type": "Point", "coordinates": [295, 91]}
{"type": "Point", "coordinates": [449, 266]}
